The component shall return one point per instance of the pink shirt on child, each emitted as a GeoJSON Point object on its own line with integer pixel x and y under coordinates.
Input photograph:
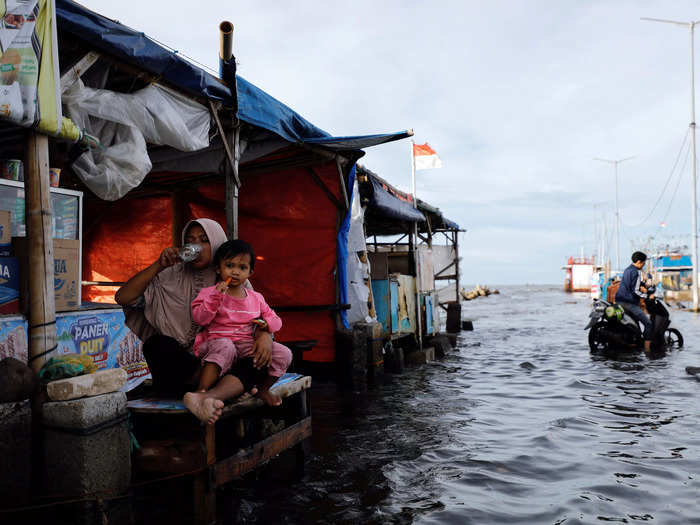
{"type": "Point", "coordinates": [223, 316]}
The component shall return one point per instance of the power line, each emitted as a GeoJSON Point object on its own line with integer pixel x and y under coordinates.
{"type": "Point", "coordinates": [675, 191]}
{"type": "Point", "coordinates": [668, 179]}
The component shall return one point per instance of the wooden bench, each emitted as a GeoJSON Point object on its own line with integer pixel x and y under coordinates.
{"type": "Point", "coordinates": [173, 441]}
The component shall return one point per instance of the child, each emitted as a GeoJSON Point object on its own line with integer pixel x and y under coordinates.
{"type": "Point", "coordinates": [229, 313]}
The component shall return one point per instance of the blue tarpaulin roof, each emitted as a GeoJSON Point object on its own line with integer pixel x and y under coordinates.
{"type": "Point", "coordinates": [673, 262]}
{"type": "Point", "coordinates": [391, 206]}
{"type": "Point", "coordinates": [254, 105]}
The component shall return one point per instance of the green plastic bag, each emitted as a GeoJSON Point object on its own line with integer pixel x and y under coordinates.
{"type": "Point", "coordinates": [68, 365]}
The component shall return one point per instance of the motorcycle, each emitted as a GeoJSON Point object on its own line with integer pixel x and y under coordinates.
{"type": "Point", "coordinates": [611, 330]}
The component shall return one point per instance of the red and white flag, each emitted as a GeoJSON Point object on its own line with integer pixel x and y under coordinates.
{"type": "Point", "coordinates": [425, 157]}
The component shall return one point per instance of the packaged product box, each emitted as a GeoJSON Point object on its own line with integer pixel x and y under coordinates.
{"type": "Point", "coordinates": [9, 285]}
{"type": "Point", "coordinates": [66, 267]}
{"type": "Point", "coordinates": [5, 233]}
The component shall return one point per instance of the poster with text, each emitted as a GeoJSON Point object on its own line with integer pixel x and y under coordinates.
{"type": "Point", "coordinates": [102, 335]}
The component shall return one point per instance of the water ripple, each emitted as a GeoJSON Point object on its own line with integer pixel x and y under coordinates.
{"type": "Point", "coordinates": [520, 424]}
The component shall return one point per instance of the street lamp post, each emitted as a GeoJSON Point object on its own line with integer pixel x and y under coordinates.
{"type": "Point", "coordinates": [693, 173]}
{"type": "Point", "coordinates": [615, 162]}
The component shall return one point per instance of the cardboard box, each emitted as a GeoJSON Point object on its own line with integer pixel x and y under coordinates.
{"type": "Point", "coordinates": [66, 259]}
{"type": "Point", "coordinates": [5, 234]}
{"type": "Point", "coordinates": [9, 285]}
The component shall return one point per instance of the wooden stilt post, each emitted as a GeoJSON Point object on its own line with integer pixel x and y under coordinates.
{"type": "Point", "coordinates": [42, 304]}
{"type": "Point", "coordinates": [204, 484]}
{"type": "Point", "coordinates": [456, 246]}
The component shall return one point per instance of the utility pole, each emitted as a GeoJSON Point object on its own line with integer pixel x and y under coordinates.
{"type": "Point", "coordinates": [615, 162]}
{"type": "Point", "coordinates": [694, 255]}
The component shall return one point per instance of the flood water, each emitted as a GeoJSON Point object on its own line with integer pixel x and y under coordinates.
{"type": "Point", "coordinates": [480, 437]}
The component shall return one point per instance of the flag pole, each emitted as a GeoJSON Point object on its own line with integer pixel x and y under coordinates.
{"type": "Point", "coordinates": [413, 174]}
{"type": "Point", "coordinates": [419, 309]}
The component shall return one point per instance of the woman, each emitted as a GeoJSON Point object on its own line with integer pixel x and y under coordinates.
{"type": "Point", "coordinates": [157, 307]}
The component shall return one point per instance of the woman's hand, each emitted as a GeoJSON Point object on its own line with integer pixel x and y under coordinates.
{"type": "Point", "coordinates": [262, 349]}
{"type": "Point", "coordinates": [168, 257]}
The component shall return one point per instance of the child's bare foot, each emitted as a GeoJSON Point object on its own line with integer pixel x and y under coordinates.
{"type": "Point", "coordinates": [206, 409]}
{"type": "Point", "coordinates": [270, 399]}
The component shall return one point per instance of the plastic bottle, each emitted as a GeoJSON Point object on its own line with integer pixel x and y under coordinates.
{"type": "Point", "coordinates": [190, 251]}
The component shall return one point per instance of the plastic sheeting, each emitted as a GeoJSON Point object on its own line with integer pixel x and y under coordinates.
{"type": "Point", "coordinates": [343, 233]}
{"type": "Point", "coordinates": [29, 75]}
{"type": "Point", "coordinates": [254, 105]}
{"type": "Point", "coordinates": [289, 220]}
{"type": "Point", "coordinates": [124, 123]}
{"type": "Point", "coordinates": [358, 272]}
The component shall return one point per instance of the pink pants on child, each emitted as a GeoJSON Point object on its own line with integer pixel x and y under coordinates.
{"type": "Point", "coordinates": [224, 352]}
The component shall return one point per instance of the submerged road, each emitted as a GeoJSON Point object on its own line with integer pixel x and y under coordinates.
{"type": "Point", "coordinates": [482, 437]}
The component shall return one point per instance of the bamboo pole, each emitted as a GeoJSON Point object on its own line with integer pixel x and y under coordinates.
{"type": "Point", "coordinates": [42, 304]}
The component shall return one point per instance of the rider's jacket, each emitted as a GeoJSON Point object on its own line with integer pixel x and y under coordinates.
{"type": "Point", "coordinates": [629, 291]}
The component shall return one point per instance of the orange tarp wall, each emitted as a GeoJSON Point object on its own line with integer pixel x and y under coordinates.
{"type": "Point", "coordinates": [285, 216]}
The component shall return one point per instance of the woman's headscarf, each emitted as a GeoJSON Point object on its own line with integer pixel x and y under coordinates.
{"type": "Point", "coordinates": [168, 298]}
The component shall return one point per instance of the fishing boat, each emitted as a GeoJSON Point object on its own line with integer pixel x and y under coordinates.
{"type": "Point", "coordinates": [673, 270]}
{"type": "Point", "coordinates": [579, 274]}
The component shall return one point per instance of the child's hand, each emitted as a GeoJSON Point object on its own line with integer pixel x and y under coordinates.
{"type": "Point", "coordinates": [222, 286]}
{"type": "Point", "coordinates": [261, 323]}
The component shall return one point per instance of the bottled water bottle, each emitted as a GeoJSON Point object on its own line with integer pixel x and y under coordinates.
{"type": "Point", "coordinates": [190, 251]}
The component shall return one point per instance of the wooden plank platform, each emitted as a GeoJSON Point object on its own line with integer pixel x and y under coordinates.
{"type": "Point", "coordinates": [236, 444]}
{"type": "Point", "coordinates": [247, 460]}
{"type": "Point", "coordinates": [289, 384]}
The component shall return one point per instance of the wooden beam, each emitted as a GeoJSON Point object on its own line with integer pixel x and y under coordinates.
{"type": "Point", "coordinates": [227, 148]}
{"type": "Point", "coordinates": [311, 307]}
{"type": "Point", "coordinates": [319, 182]}
{"type": "Point", "coordinates": [343, 186]}
{"type": "Point", "coordinates": [245, 461]}
{"type": "Point", "coordinates": [177, 204]}
{"type": "Point", "coordinates": [71, 76]}
{"type": "Point", "coordinates": [445, 268]}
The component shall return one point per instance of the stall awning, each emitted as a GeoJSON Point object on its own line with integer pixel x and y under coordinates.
{"type": "Point", "coordinates": [383, 202]}
{"type": "Point", "coordinates": [673, 262]}
{"type": "Point", "coordinates": [254, 105]}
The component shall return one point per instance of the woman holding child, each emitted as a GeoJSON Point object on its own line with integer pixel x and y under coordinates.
{"type": "Point", "coordinates": [157, 305]}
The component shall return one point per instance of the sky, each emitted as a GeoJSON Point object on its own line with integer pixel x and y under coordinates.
{"type": "Point", "coordinates": [517, 97]}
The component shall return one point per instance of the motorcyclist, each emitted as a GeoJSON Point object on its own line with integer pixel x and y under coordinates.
{"type": "Point", "coordinates": [632, 289]}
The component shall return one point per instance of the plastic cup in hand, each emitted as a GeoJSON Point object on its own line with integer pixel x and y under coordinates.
{"type": "Point", "coordinates": [190, 251]}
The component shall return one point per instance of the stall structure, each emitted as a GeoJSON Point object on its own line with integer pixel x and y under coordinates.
{"type": "Point", "coordinates": [674, 273]}
{"type": "Point", "coordinates": [166, 142]}
{"type": "Point", "coordinates": [405, 271]}
{"type": "Point", "coordinates": [296, 183]}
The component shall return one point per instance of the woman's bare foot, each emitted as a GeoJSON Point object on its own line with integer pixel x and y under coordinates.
{"type": "Point", "coordinates": [206, 409]}
{"type": "Point", "coordinates": [270, 399]}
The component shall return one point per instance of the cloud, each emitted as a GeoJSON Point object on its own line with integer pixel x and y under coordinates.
{"type": "Point", "coordinates": [516, 97]}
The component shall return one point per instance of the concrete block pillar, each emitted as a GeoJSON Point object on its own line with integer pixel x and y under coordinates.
{"type": "Point", "coordinates": [86, 446]}
{"type": "Point", "coordinates": [15, 453]}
